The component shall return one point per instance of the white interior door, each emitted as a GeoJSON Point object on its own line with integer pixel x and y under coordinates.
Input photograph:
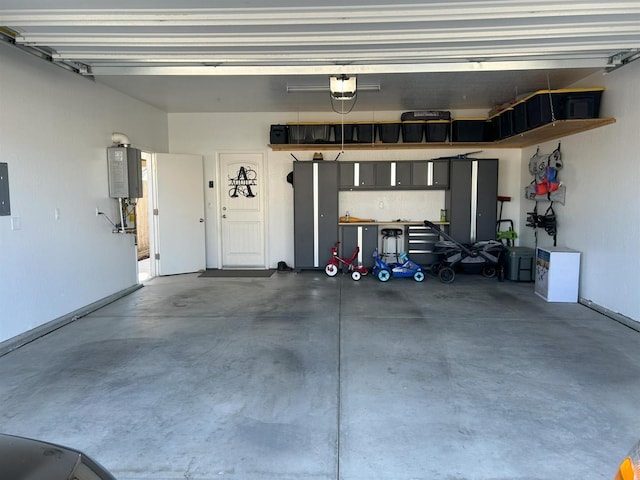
{"type": "Point", "coordinates": [242, 210]}
{"type": "Point", "coordinates": [179, 221]}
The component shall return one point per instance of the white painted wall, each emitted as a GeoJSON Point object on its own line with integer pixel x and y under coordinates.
{"type": "Point", "coordinates": [208, 134]}
{"type": "Point", "coordinates": [601, 217]}
{"type": "Point", "coordinates": [54, 130]}
{"type": "Point", "coordinates": [55, 127]}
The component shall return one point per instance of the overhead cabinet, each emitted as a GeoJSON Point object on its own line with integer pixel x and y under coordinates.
{"type": "Point", "coordinates": [315, 212]}
{"type": "Point", "coordinates": [410, 175]}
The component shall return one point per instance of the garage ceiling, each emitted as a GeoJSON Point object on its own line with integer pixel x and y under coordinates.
{"type": "Point", "coordinates": [226, 56]}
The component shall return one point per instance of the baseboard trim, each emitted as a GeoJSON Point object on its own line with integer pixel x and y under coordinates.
{"type": "Point", "coordinates": [632, 324]}
{"type": "Point", "coordinates": [27, 337]}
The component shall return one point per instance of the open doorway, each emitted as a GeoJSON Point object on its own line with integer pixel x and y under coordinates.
{"type": "Point", "coordinates": [143, 238]}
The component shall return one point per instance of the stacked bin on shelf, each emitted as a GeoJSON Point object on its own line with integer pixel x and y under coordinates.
{"type": "Point", "coordinates": [347, 128]}
{"type": "Point", "coordinates": [413, 131]}
{"type": "Point", "coordinates": [366, 132]}
{"type": "Point", "coordinates": [388, 132]}
{"type": "Point", "coordinates": [437, 130]}
{"type": "Point", "coordinates": [546, 106]}
{"type": "Point", "coordinates": [501, 124]}
{"type": "Point", "coordinates": [305, 133]}
{"type": "Point", "coordinates": [471, 129]}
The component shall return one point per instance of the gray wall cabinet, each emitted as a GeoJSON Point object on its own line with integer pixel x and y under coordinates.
{"type": "Point", "coordinates": [402, 175]}
{"type": "Point", "coordinates": [315, 212]}
{"type": "Point", "coordinates": [471, 200]}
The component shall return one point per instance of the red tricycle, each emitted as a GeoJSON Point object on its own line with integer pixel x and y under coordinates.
{"type": "Point", "coordinates": [332, 265]}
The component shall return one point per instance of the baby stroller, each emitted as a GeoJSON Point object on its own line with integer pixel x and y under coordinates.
{"type": "Point", "coordinates": [486, 255]}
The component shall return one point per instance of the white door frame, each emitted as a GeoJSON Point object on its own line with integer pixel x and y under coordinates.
{"type": "Point", "coordinates": [222, 190]}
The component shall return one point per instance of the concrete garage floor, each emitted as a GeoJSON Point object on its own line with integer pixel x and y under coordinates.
{"type": "Point", "coordinates": [302, 376]}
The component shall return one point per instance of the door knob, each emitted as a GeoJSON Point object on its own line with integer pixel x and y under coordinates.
{"type": "Point", "coordinates": [202, 220]}
{"type": "Point", "coordinates": [224, 216]}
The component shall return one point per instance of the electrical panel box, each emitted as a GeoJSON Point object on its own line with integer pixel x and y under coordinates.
{"type": "Point", "coordinates": [125, 172]}
{"type": "Point", "coordinates": [5, 207]}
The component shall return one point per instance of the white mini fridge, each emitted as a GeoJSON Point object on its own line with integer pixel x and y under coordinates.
{"type": "Point", "coordinates": [557, 274]}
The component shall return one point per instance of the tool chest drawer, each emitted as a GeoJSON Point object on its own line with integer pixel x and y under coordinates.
{"type": "Point", "coordinates": [420, 243]}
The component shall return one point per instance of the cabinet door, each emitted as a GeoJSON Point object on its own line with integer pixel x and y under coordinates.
{"type": "Point", "coordinates": [458, 201]}
{"type": "Point", "coordinates": [327, 195]}
{"type": "Point", "coordinates": [419, 174]}
{"type": "Point", "coordinates": [440, 173]}
{"type": "Point", "coordinates": [346, 175]}
{"type": "Point", "coordinates": [365, 237]}
{"type": "Point", "coordinates": [403, 174]}
{"type": "Point", "coordinates": [373, 175]}
{"type": "Point", "coordinates": [383, 175]}
{"type": "Point", "coordinates": [487, 202]}
{"type": "Point", "coordinates": [303, 214]}
{"type": "Point", "coordinates": [366, 174]}
{"type": "Point", "coordinates": [315, 212]}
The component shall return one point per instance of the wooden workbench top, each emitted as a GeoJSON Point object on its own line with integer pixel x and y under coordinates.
{"type": "Point", "coordinates": [389, 222]}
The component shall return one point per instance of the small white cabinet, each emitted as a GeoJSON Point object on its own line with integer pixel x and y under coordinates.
{"type": "Point", "coordinates": [557, 274]}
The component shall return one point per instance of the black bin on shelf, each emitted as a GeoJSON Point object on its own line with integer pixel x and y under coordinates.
{"type": "Point", "coordinates": [366, 132]}
{"type": "Point", "coordinates": [309, 133]}
{"type": "Point", "coordinates": [437, 130]}
{"type": "Point", "coordinates": [469, 129]}
{"type": "Point", "coordinates": [279, 134]}
{"type": "Point", "coordinates": [506, 123]}
{"type": "Point", "coordinates": [545, 106]}
{"type": "Point", "coordinates": [580, 104]}
{"type": "Point", "coordinates": [520, 117]}
{"type": "Point", "coordinates": [389, 132]}
{"type": "Point", "coordinates": [412, 131]}
{"type": "Point", "coordinates": [348, 132]}
{"type": "Point", "coordinates": [501, 125]}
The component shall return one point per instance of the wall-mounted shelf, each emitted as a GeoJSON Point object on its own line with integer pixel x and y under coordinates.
{"type": "Point", "coordinates": [550, 131]}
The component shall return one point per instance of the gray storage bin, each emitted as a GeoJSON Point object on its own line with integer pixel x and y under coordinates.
{"type": "Point", "coordinates": [521, 264]}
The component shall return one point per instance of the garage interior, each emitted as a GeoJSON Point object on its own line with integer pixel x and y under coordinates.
{"type": "Point", "coordinates": [299, 375]}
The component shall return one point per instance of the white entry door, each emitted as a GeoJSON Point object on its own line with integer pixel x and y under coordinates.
{"type": "Point", "coordinates": [242, 210]}
{"type": "Point", "coordinates": [179, 213]}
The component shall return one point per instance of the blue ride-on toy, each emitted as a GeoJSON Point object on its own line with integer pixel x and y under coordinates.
{"type": "Point", "coordinates": [404, 268]}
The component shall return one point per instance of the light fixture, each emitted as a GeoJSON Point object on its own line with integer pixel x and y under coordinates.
{"type": "Point", "coordinates": [362, 87]}
{"type": "Point", "coordinates": [342, 87]}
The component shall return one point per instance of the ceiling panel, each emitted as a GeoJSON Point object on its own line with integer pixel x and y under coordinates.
{"type": "Point", "coordinates": [240, 55]}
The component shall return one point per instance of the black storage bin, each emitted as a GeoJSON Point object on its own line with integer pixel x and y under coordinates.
{"type": "Point", "coordinates": [348, 132]}
{"type": "Point", "coordinates": [469, 129]}
{"type": "Point", "coordinates": [412, 131]}
{"type": "Point", "coordinates": [545, 106]}
{"type": "Point", "coordinates": [542, 108]}
{"type": "Point", "coordinates": [494, 127]}
{"type": "Point", "coordinates": [309, 133]}
{"type": "Point", "coordinates": [366, 132]}
{"type": "Point", "coordinates": [580, 104]}
{"type": "Point", "coordinates": [437, 130]}
{"type": "Point", "coordinates": [279, 134]}
{"type": "Point", "coordinates": [389, 132]}
{"type": "Point", "coordinates": [501, 125]}
{"type": "Point", "coordinates": [506, 123]}
{"type": "Point", "coordinates": [520, 117]}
